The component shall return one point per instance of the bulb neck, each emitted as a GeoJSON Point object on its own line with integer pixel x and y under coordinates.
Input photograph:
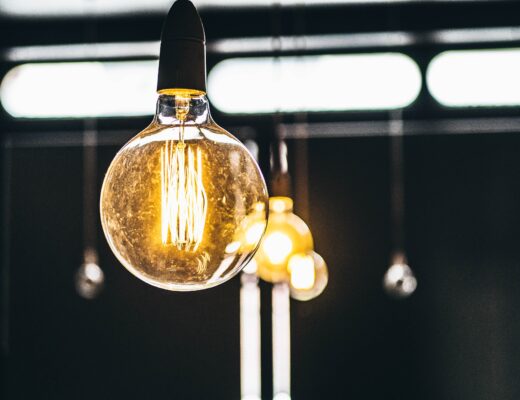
{"type": "Point", "coordinates": [280, 204]}
{"type": "Point", "coordinates": [182, 108]}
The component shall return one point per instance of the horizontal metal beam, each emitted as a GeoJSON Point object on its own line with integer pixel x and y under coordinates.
{"type": "Point", "coordinates": [351, 17]}
{"type": "Point", "coordinates": [265, 45]}
{"type": "Point", "coordinates": [463, 126]}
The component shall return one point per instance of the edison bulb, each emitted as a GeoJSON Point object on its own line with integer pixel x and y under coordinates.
{"type": "Point", "coordinates": [308, 275]}
{"type": "Point", "coordinates": [184, 204]}
{"type": "Point", "coordinates": [286, 235]}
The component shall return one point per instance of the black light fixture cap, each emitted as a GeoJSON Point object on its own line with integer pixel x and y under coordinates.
{"type": "Point", "coordinates": [182, 61]}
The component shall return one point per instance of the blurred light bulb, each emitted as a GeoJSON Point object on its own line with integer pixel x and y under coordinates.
{"type": "Point", "coordinates": [286, 234]}
{"type": "Point", "coordinates": [308, 275]}
{"type": "Point", "coordinates": [399, 280]}
{"type": "Point", "coordinates": [89, 280]}
{"type": "Point", "coordinates": [277, 247]}
{"type": "Point", "coordinates": [280, 204]}
{"type": "Point", "coordinates": [183, 204]}
{"type": "Point", "coordinates": [301, 268]}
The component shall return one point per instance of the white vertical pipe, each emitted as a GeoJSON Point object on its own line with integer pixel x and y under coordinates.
{"type": "Point", "coordinates": [250, 356]}
{"type": "Point", "coordinates": [281, 342]}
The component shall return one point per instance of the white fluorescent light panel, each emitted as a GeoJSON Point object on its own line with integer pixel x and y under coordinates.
{"type": "Point", "coordinates": [382, 81]}
{"type": "Point", "coordinates": [314, 83]}
{"type": "Point", "coordinates": [249, 85]}
{"type": "Point", "coordinates": [80, 89]}
{"type": "Point", "coordinates": [476, 78]}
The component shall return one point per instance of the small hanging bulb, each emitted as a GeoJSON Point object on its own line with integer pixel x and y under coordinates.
{"type": "Point", "coordinates": [308, 275]}
{"type": "Point", "coordinates": [399, 280]}
{"type": "Point", "coordinates": [286, 235]}
{"type": "Point", "coordinates": [89, 278]}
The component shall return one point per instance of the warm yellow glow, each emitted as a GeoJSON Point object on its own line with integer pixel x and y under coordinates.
{"type": "Point", "coordinates": [286, 234]}
{"type": "Point", "coordinates": [183, 198]}
{"type": "Point", "coordinates": [301, 268]}
{"type": "Point", "coordinates": [233, 247]}
{"type": "Point", "coordinates": [251, 267]}
{"type": "Point", "coordinates": [186, 93]}
{"type": "Point", "coordinates": [179, 198]}
{"type": "Point", "coordinates": [277, 246]}
{"type": "Point", "coordinates": [280, 204]}
{"type": "Point", "coordinates": [255, 232]}
{"type": "Point", "coordinates": [308, 275]}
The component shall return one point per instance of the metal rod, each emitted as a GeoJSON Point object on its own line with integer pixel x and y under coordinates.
{"type": "Point", "coordinates": [6, 244]}
{"type": "Point", "coordinates": [397, 195]}
{"type": "Point", "coordinates": [250, 337]}
{"type": "Point", "coordinates": [324, 130]}
{"type": "Point", "coordinates": [281, 341]}
{"type": "Point", "coordinates": [90, 193]}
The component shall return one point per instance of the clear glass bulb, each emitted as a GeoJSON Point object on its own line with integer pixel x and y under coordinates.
{"type": "Point", "coordinates": [180, 199]}
{"type": "Point", "coordinates": [286, 235]}
{"type": "Point", "coordinates": [308, 275]}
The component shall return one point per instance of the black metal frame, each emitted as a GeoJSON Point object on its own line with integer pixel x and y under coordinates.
{"type": "Point", "coordinates": [422, 22]}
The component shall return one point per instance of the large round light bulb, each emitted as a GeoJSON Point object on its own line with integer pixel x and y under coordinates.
{"type": "Point", "coordinates": [308, 275]}
{"type": "Point", "coordinates": [183, 204]}
{"type": "Point", "coordinates": [286, 235]}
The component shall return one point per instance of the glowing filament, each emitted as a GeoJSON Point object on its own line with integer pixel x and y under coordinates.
{"type": "Point", "coordinates": [183, 198]}
{"type": "Point", "coordinates": [277, 246]}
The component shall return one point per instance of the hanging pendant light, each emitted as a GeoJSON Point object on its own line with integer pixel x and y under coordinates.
{"type": "Point", "coordinates": [89, 278]}
{"type": "Point", "coordinates": [177, 197]}
{"type": "Point", "coordinates": [399, 280]}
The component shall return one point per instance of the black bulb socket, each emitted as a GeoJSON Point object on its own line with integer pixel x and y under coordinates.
{"type": "Point", "coordinates": [182, 60]}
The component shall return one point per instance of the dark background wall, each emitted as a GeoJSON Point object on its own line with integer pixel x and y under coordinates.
{"type": "Point", "coordinates": [455, 338]}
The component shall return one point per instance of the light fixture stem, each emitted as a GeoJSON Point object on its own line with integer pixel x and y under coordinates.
{"type": "Point", "coordinates": [280, 179]}
{"type": "Point", "coordinates": [250, 338]}
{"type": "Point", "coordinates": [90, 194]}
{"type": "Point", "coordinates": [281, 320]}
{"type": "Point", "coordinates": [397, 188]}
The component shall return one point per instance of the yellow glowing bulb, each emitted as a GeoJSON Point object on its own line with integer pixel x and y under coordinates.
{"type": "Point", "coordinates": [277, 246]}
{"type": "Point", "coordinates": [183, 204]}
{"type": "Point", "coordinates": [301, 268]}
{"type": "Point", "coordinates": [286, 234]}
{"type": "Point", "coordinates": [280, 204]}
{"type": "Point", "coordinates": [308, 275]}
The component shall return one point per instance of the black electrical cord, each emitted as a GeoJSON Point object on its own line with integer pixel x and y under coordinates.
{"type": "Point", "coordinates": [279, 179]}
{"type": "Point", "coordinates": [90, 191]}
{"type": "Point", "coordinates": [397, 183]}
